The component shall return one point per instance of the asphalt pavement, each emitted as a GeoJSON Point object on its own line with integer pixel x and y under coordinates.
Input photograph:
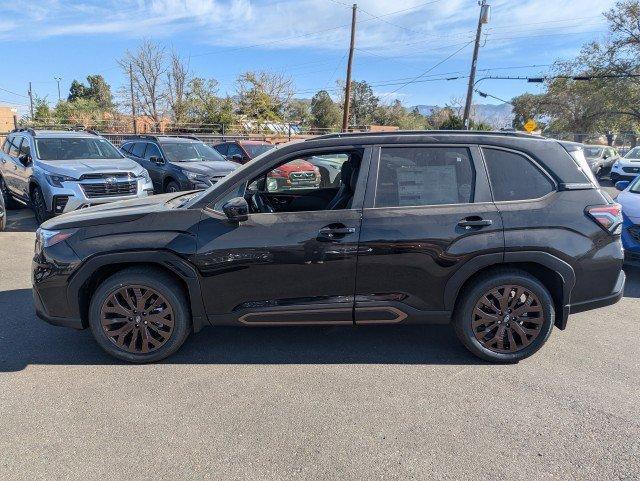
{"type": "Point", "coordinates": [395, 402]}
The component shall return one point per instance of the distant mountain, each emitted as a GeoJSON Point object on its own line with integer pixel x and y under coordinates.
{"type": "Point", "coordinates": [496, 115]}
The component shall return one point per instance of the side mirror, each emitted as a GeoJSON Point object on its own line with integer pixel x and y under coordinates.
{"type": "Point", "coordinates": [237, 209]}
{"type": "Point", "coordinates": [622, 184]}
{"type": "Point", "coordinates": [156, 160]}
{"type": "Point", "coordinates": [236, 158]}
{"type": "Point", "coordinates": [25, 160]}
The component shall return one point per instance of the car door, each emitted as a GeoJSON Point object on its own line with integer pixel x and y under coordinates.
{"type": "Point", "coordinates": [24, 167]}
{"type": "Point", "coordinates": [154, 163]}
{"type": "Point", "coordinates": [428, 212]}
{"type": "Point", "coordinates": [281, 267]}
{"type": "Point", "coordinates": [9, 163]}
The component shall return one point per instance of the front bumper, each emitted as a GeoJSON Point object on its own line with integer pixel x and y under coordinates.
{"type": "Point", "coordinates": [41, 312]}
{"type": "Point", "coordinates": [618, 172]}
{"type": "Point", "coordinates": [71, 196]}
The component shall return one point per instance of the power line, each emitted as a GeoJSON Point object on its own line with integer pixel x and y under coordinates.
{"type": "Point", "coordinates": [432, 68]}
{"type": "Point", "coordinates": [14, 93]}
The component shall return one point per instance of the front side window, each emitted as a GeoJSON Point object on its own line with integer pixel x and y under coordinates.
{"type": "Point", "coordinates": [75, 149]}
{"type": "Point", "coordinates": [514, 177]}
{"type": "Point", "coordinates": [138, 149]}
{"type": "Point", "coordinates": [235, 150]}
{"type": "Point", "coordinates": [222, 148]}
{"type": "Point", "coordinates": [25, 148]}
{"type": "Point", "coordinates": [256, 149]}
{"type": "Point", "coordinates": [14, 145]}
{"type": "Point", "coordinates": [416, 176]}
{"type": "Point", "coordinates": [152, 151]}
{"type": "Point", "coordinates": [592, 151]}
{"type": "Point", "coordinates": [126, 147]}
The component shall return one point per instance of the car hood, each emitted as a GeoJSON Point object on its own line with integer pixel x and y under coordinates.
{"type": "Point", "coordinates": [111, 213]}
{"type": "Point", "coordinates": [209, 167]}
{"type": "Point", "coordinates": [630, 203]}
{"type": "Point", "coordinates": [626, 160]}
{"type": "Point", "coordinates": [76, 168]}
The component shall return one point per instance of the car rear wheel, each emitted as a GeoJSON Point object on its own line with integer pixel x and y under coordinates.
{"type": "Point", "coordinates": [39, 205]}
{"type": "Point", "coordinates": [505, 316]}
{"type": "Point", "coordinates": [140, 315]}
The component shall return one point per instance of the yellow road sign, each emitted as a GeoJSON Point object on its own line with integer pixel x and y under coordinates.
{"type": "Point", "coordinates": [530, 125]}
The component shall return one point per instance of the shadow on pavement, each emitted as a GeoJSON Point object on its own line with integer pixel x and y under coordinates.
{"type": "Point", "coordinates": [26, 340]}
{"type": "Point", "coordinates": [21, 220]}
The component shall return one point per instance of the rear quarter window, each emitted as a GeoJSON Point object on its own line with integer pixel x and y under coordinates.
{"type": "Point", "coordinates": [514, 177]}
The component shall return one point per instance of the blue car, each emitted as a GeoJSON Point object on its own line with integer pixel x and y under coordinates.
{"type": "Point", "coordinates": [629, 198]}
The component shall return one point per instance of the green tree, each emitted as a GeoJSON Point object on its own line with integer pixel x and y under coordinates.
{"type": "Point", "coordinates": [98, 90]}
{"type": "Point", "coordinates": [264, 96]}
{"type": "Point", "coordinates": [41, 109]}
{"type": "Point", "coordinates": [363, 104]}
{"type": "Point", "coordinates": [325, 114]}
{"type": "Point", "coordinates": [204, 106]}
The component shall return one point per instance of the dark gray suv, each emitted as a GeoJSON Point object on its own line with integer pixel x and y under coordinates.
{"type": "Point", "coordinates": [503, 235]}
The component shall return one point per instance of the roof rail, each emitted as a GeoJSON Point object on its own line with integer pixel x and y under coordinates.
{"type": "Point", "coordinates": [25, 129]}
{"type": "Point", "coordinates": [337, 135]}
{"type": "Point", "coordinates": [155, 136]}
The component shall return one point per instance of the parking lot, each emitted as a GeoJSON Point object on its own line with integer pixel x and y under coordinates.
{"type": "Point", "coordinates": [316, 403]}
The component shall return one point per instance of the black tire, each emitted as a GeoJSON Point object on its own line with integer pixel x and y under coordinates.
{"type": "Point", "coordinates": [464, 314]}
{"type": "Point", "coordinates": [39, 205]}
{"type": "Point", "coordinates": [172, 186]}
{"type": "Point", "coordinates": [153, 279]}
{"type": "Point", "coordinates": [3, 214]}
{"type": "Point", "coordinates": [9, 202]}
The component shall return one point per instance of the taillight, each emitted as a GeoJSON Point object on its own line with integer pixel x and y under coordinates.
{"type": "Point", "coordinates": [609, 217]}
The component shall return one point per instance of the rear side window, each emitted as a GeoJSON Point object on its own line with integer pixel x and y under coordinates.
{"type": "Point", "coordinates": [514, 177]}
{"type": "Point", "coordinates": [138, 149]}
{"type": "Point", "coordinates": [126, 148]}
{"type": "Point", "coordinates": [415, 176]}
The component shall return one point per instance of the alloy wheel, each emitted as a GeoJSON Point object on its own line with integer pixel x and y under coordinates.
{"type": "Point", "coordinates": [39, 207]}
{"type": "Point", "coordinates": [137, 319]}
{"type": "Point", "coordinates": [507, 318]}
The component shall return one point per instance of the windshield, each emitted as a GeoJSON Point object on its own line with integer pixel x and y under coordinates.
{"type": "Point", "coordinates": [256, 149]}
{"type": "Point", "coordinates": [592, 151]}
{"type": "Point", "coordinates": [634, 188]}
{"type": "Point", "coordinates": [76, 149]}
{"type": "Point", "coordinates": [633, 153]}
{"type": "Point", "coordinates": [189, 152]}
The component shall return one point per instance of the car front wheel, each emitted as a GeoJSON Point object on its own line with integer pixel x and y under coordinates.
{"type": "Point", "coordinates": [505, 316]}
{"type": "Point", "coordinates": [140, 315]}
{"type": "Point", "coordinates": [39, 205]}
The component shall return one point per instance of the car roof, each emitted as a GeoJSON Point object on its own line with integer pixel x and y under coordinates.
{"type": "Point", "coordinates": [48, 134]}
{"type": "Point", "coordinates": [160, 138]}
{"type": "Point", "coordinates": [252, 142]}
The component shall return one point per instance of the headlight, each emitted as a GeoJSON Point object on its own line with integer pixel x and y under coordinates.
{"type": "Point", "coordinates": [48, 238]}
{"type": "Point", "coordinates": [194, 177]}
{"type": "Point", "coordinates": [145, 175]}
{"type": "Point", "coordinates": [57, 180]}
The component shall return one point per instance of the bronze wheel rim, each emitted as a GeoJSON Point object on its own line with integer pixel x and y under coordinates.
{"type": "Point", "coordinates": [507, 318]}
{"type": "Point", "coordinates": [137, 319]}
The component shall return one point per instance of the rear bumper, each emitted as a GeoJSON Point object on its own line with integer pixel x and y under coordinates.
{"type": "Point", "coordinates": [607, 300]}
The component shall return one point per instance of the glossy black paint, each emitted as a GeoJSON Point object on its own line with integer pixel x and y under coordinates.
{"type": "Point", "coordinates": [363, 264]}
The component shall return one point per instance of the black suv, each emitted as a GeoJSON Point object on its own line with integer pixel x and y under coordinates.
{"type": "Point", "coordinates": [177, 163]}
{"type": "Point", "coordinates": [502, 234]}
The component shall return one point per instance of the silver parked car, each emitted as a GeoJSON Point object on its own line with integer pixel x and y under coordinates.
{"type": "Point", "coordinates": [600, 158]}
{"type": "Point", "coordinates": [57, 171]}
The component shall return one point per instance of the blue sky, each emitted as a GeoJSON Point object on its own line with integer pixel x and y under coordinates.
{"type": "Point", "coordinates": [397, 41]}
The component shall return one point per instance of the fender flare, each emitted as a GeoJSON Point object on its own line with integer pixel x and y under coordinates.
{"type": "Point", "coordinates": [166, 259]}
{"type": "Point", "coordinates": [545, 259]}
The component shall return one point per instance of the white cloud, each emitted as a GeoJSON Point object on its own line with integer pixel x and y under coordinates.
{"type": "Point", "coordinates": [418, 29]}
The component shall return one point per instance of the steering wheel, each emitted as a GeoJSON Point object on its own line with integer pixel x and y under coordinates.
{"type": "Point", "coordinates": [261, 204]}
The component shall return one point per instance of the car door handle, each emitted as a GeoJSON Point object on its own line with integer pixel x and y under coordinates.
{"type": "Point", "coordinates": [475, 221]}
{"type": "Point", "coordinates": [333, 232]}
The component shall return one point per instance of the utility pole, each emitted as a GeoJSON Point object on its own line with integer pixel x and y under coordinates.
{"type": "Point", "coordinates": [347, 89]}
{"type": "Point", "coordinates": [482, 19]}
{"type": "Point", "coordinates": [133, 102]}
{"type": "Point", "coordinates": [31, 101]}
{"type": "Point", "coordinates": [57, 79]}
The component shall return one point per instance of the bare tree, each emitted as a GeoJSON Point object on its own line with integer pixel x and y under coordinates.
{"type": "Point", "coordinates": [148, 67]}
{"type": "Point", "coordinates": [178, 79]}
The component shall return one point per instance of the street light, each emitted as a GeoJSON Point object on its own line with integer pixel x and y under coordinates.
{"type": "Point", "coordinates": [57, 79]}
